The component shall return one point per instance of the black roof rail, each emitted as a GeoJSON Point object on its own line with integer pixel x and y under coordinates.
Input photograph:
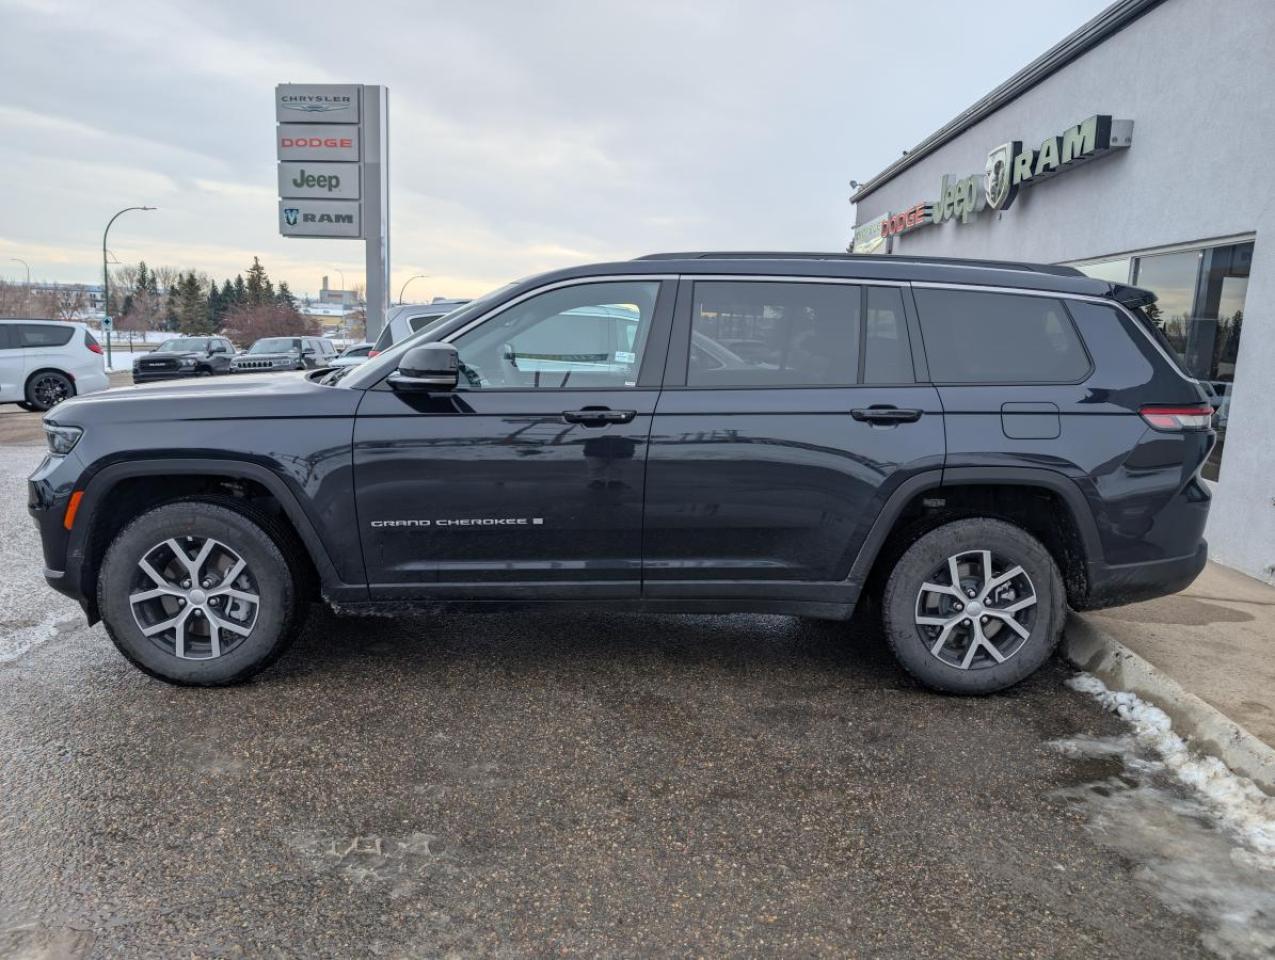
{"type": "Point", "coordinates": [1053, 269]}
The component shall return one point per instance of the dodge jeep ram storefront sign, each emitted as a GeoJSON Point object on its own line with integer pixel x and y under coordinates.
{"type": "Point", "coordinates": [316, 141]}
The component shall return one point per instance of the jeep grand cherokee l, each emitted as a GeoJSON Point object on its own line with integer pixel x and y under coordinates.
{"type": "Point", "coordinates": [975, 445]}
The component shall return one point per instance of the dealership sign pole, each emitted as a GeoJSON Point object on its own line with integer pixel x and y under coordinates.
{"type": "Point", "coordinates": [332, 142]}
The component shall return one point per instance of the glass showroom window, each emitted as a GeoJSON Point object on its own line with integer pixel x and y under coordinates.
{"type": "Point", "coordinates": [1201, 311]}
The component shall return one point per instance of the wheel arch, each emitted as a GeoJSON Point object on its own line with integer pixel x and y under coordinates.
{"type": "Point", "coordinates": [48, 368]}
{"type": "Point", "coordinates": [96, 523]}
{"type": "Point", "coordinates": [938, 496]}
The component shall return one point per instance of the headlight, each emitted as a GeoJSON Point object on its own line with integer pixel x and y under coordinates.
{"type": "Point", "coordinates": [62, 439]}
{"type": "Point", "coordinates": [187, 361]}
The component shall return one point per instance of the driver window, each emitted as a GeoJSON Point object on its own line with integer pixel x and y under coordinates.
{"type": "Point", "coordinates": [587, 335]}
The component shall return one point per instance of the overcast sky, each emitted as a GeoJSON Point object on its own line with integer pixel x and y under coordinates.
{"type": "Point", "coordinates": [524, 135]}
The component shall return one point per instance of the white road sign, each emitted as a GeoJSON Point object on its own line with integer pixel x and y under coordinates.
{"type": "Point", "coordinates": [317, 103]}
{"type": "Point", "coordinates": [317, 141]}
{"type": "Point", "coordinates": [333, 181]}
{"type": "Point", "coordinates": [320, 218]}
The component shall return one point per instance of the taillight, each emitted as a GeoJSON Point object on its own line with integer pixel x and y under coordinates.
{"type": "Point", "coordinates": [95, 347]}
{"type": "Point", "coordinates": [373, 353]}
{"type": "Point", "coordinates": [1175, 419]}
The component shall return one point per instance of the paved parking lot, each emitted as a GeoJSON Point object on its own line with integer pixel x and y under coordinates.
{"type": "Point", "coordinates": [574, 785]}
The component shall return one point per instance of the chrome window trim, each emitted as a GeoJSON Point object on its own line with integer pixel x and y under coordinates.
{"type": "Point", "coordinates": [1104, 301]}
{"type": "Point", "coordinates": [573, 282]}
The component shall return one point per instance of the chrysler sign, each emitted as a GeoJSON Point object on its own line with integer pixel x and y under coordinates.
{"type": "Point", "coordinates": [317, 103]}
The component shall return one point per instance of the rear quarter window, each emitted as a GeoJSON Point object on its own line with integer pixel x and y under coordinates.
{"type": "Point", "coordinates": [44, 335]}
{"type": "Point", "coordinates": [979, 337]}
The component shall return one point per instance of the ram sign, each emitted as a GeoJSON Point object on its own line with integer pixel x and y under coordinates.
{"type": "Point", "coordinates": [319, 218]}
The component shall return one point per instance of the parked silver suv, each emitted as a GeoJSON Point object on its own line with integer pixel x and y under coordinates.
{"type": "Point", "coordinates": [403, 320]}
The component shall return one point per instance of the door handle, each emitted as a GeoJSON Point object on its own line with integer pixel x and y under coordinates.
{"type": "Point", "coordinates": [598, 416]}
{"type": "Point", "coordinates": [885, 414]}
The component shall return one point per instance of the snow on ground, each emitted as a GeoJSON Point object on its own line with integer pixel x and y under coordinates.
{"type": "Point", "coordinates": [1204, 836]}
{"type": "Point", "coordinates": [31, 613]}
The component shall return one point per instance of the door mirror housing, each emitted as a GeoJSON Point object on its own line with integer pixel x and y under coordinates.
{"type": "Point", "coordinates": [429, 367]}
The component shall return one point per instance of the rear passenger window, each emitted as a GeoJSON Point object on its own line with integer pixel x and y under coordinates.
{"type": "Point", "coordinates": [44, 335]}
{"type": "Point", "coordinates": [887, 352]}
{"type": "Point", "coordinates": [976, 337]}
{"type": "Point", "coordinates": [774, 334]}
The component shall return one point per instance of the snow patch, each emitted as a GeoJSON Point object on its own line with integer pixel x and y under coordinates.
{"type": "Point", "coordinates": [1237, 801]}
{"type": "Point", "coordinates": [15, 643]}
{"type": "Point", "coordinates": [1202, 836]}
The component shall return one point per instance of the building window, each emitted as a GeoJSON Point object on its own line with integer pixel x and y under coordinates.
{"type": "Point", "coordinates": [1114, 271]}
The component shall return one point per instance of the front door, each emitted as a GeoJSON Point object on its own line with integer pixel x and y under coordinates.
{"type": "Point", "coordinates": [12, 364]}
{"type": "Point", "coordinates": [790, 411]}
{"type": "Point", "coordinates": [528, 480]}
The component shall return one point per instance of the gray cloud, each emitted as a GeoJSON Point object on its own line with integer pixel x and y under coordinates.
{"type": "Point", "coordinates": [524, 136]}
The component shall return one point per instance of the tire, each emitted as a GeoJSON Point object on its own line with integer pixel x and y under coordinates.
{"type": "Point", "coordinates": [251, 636]}
{"type": "Point", "coordinates": [23, 405]}
{"type": "Point", "coordinates": [931, 628]}
{"type": "Point", "coordinates": [47, 388]}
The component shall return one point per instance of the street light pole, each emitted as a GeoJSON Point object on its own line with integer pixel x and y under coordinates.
{"type": "Point", "coordinates": [106, 281]}
{"type": "Point", "coordinates": [28, 266]}
{"type": "Point", "coordinates": [419, 276]}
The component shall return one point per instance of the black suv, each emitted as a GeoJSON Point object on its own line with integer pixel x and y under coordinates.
{"type": "Point", "coordinates": [285, 353]}
{"type": "Point", "coordinates": [181, 357]}
{"type": "Point", "coordinates": [976, 445]}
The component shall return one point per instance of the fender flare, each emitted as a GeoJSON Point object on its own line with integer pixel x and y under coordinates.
{"type": "Point", "coordinates": [1042, 477]}
{"type": "Point", "coordinates": [104, 480]}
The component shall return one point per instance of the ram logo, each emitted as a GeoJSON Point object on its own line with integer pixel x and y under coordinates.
{"type": "Point", "coordinates": [291, 215]}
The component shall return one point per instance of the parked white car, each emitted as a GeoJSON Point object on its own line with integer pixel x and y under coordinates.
{"type": "Point", "coordinates": [404, 319]}
{"type": "Point", "coordinates": [352, 355]}
{"type": "Point", "coordinates": [43, 362]}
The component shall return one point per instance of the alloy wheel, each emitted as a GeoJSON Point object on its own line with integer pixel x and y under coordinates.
{"type": "Point", "coordinates": [49, 390]}
{"type": "Point", "coordinates": [194, 597]}
{"type": "Point", "coordinates": [976, 610]}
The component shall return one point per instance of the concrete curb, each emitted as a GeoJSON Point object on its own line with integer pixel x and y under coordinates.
{"type": "Point", "coordinates": [1202, 725]}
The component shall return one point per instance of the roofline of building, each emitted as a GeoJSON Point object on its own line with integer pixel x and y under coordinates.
{"type": "Point", "coordinates": [1111, 21]}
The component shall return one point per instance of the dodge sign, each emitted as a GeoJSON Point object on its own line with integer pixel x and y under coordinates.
{"type": "Point", "coordinates": [317, 141]}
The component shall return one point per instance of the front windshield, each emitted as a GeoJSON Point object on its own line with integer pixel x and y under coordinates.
{"type": "Point", "coordinates": [275, 345]}
{"type": "Point", "coordinates": [182, 345]}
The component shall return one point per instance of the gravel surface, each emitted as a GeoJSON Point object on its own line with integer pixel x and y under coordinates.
{"type": "Point", "coordinates": [521, 785]}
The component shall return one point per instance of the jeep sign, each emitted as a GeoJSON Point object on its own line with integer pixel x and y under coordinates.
{"type": "Point", "coordinates": [333, 181]}
{"type": "Point", "coordinates": [317, 141]}
{"type": "Point", "coordinates": [319, 218]}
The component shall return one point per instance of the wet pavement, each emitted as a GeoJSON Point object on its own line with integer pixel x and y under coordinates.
{"type": "Point", "coordinates": [523, 785]}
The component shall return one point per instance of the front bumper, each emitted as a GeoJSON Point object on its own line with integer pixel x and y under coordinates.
{"type": "Point", "coordinates": [149, 376]}
{"type": "Point", "coordinates": [1114, 586]}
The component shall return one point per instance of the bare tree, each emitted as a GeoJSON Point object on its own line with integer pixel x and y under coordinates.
{"type": "Point", "coordinates": [248, 323]}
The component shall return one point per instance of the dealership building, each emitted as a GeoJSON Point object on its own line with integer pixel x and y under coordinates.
{"type": "Point", "coordinates": [1138, 149]}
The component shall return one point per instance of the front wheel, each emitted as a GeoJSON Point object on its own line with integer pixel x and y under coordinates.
{"type": "Point", "coordinates": [199, 593]}
{"type": "Point", "coordinates": [47, 389]}
{"type": "Point", "coordinates": [974, 606]}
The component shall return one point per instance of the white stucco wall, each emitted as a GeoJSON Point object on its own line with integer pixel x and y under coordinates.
{"type": "Point", "coordinates": [1197, 77]}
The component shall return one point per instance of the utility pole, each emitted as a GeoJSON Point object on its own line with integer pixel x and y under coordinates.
{"type": "Point", "coordinates": [106, 281]}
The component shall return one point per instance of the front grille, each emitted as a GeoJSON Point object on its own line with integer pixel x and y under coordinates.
{"type": "Point", "coordinates": [157, 364]}
{"type": "Point", "coordinates": [254, 364]}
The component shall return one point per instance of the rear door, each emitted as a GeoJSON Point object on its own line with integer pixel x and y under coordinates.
{"type": "Point", "coordinates": [12, 364]}
{"type": "Point", "coordinates": [791, 410]}
{"type": "Point", "coordinates": [45, 345]}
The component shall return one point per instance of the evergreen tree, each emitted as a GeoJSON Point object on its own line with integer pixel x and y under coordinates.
{"type": "Point", "coordinates": [144, 278]}
{"type": "Point", "coordinates": [284, 296]}
{"type": "Point", "coordinates": [213, 308]}
{"type": "Point", "coordinates": [240, 297]}
{"type": "Point", "coordinates": [192, 307]}
{"type": "Point", "coordinates": [259, 288]}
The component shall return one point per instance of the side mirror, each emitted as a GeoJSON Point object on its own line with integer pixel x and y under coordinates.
{"type": "Point", "coordinates": [429, 367]}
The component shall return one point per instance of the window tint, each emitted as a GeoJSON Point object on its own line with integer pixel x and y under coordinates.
{"type": "Point", "coordinates": [415, 323]}
{"type": "Point", "coordinates": [384, 340]}
{"type": "Point", "coordinates": [975, 337]}
{"type": "Point", "coordinates": [774, 334]}
{"type": "Point", "coordinates": [44, 334]}
{"type": "Point", "coordinates": [887, 352]}
{"type": "Point", "coordinates": [586, 335]}
{"type": "Point", "coordinates": [8, 340]}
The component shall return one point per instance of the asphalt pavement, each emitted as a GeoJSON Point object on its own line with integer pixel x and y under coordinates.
{"type": "Point", "coordinates": [575, 785]}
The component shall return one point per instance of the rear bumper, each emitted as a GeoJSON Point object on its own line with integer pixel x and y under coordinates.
{"type": "Point", "coordinates": [1114, 586]}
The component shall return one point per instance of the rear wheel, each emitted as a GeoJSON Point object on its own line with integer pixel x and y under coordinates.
{"type": "Point", "coordinates": [974, 606]}
{"type": "Point", "coordinates": [199, 593]}
{"type": "Point", "coordinates": [47, 388]}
